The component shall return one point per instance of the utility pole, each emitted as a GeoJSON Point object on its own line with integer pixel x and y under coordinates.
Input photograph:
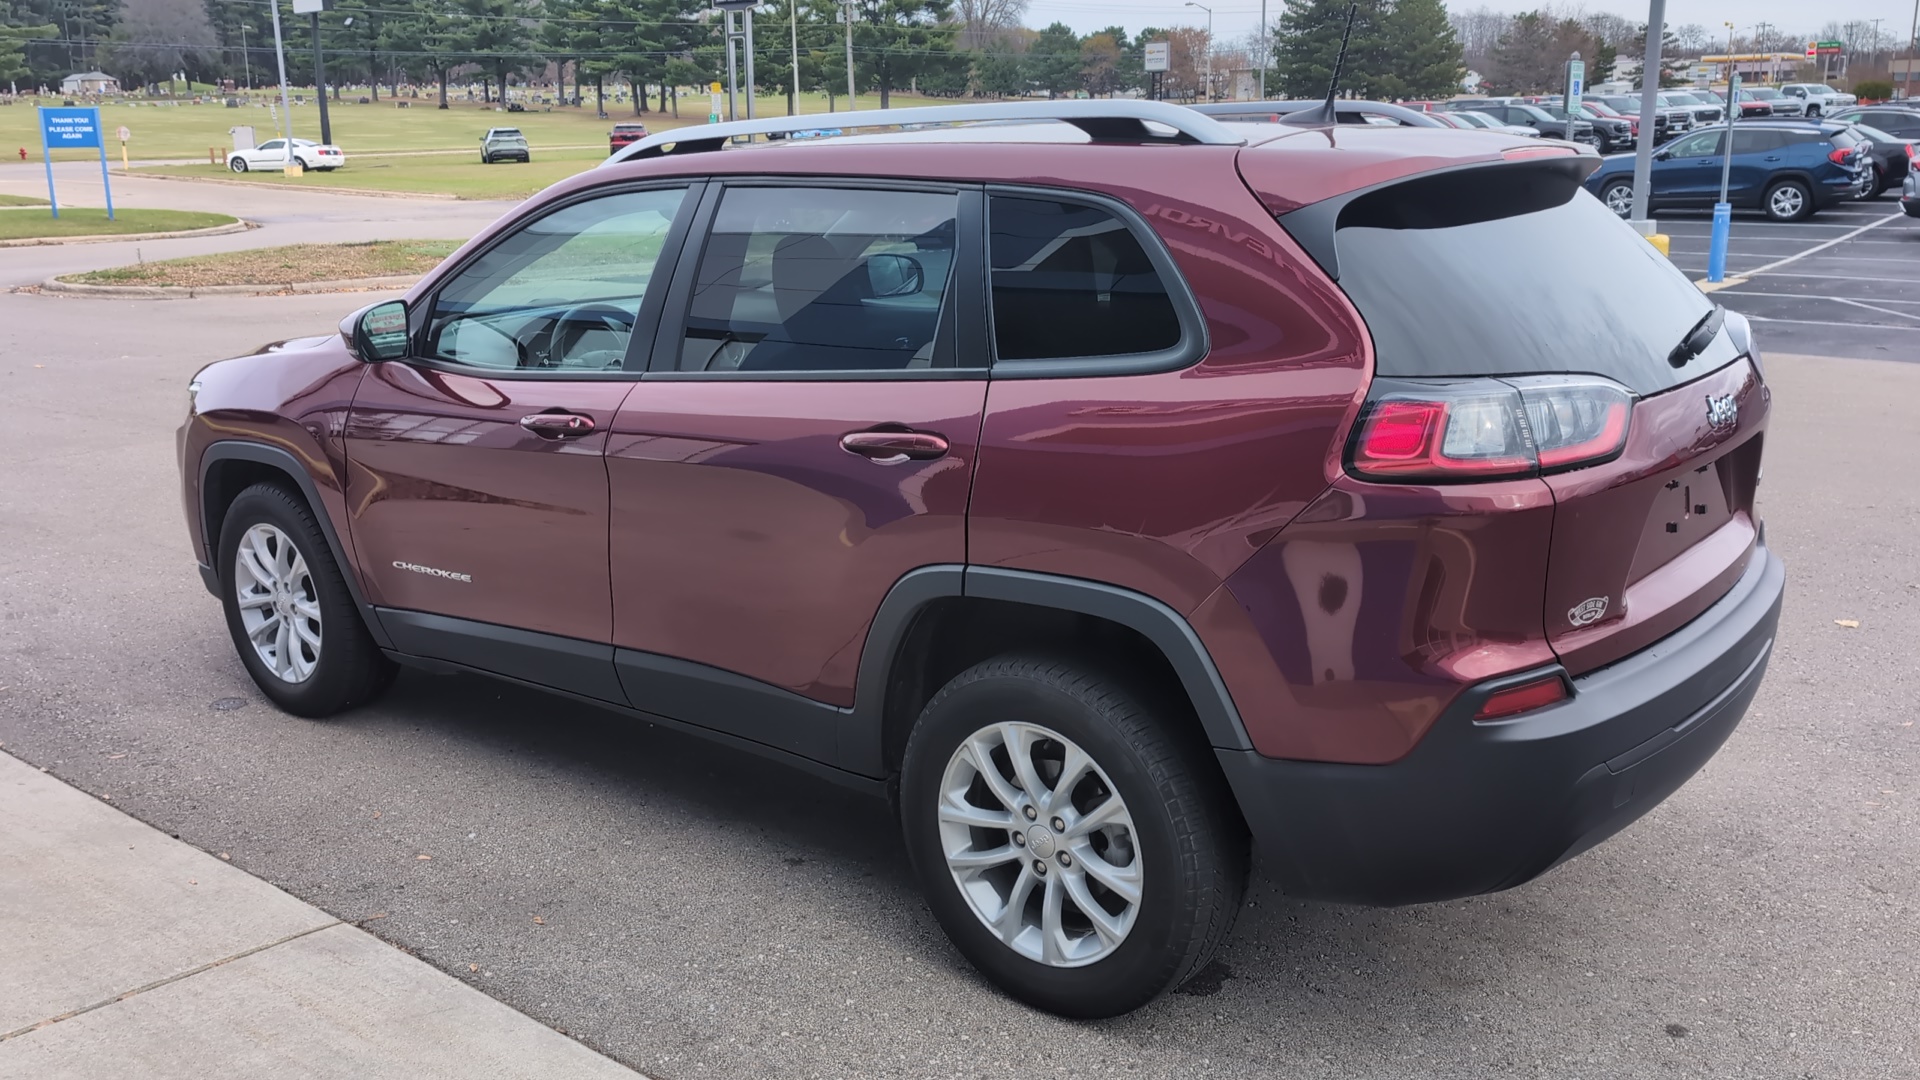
{"type": "Point", "coordinates": [320, 80]}
{"type": "Point", "coordinates": [1913, 48]}
{"type": "Point", "coordinates": [850, 100]}
{"type": "Point", "coordinates": [746, 17]}
{"type": "Point", "coordinates": [1266, 50]}
{"type": "Point", "coordinates": [280, 60]}
{"type": "Point", "coordinates": [793, 30]}
{"type": "Point", "coordinates": [246, 58]}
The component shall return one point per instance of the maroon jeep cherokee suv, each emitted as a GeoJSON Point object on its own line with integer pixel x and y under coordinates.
{"type": "Point", "coordinates": [1106, 492]}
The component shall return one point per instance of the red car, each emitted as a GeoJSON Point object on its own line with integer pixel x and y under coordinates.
{"type": "Point", "coordinates": [625, 135]}
{"type": "Point", "coordinates": [1102, 484]}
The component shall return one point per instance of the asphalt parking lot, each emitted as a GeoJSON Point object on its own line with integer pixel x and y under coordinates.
{"type": "Point", "coordinates": [1844, 283]}
{"type": "Point", "coordinates": [697, 913]}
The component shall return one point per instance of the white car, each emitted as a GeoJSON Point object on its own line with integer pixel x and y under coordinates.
{"type": "Point", "coordinates": [272, 154]}
{"type": "Point", "coordinates": [1818, 97]}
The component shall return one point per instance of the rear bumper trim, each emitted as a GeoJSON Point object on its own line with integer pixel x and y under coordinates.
{"type": "Point", "coordinates": [1479, 807]}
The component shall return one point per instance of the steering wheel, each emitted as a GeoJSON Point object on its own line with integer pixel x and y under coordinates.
{"type": "Point", "coordinates": [574, 324]}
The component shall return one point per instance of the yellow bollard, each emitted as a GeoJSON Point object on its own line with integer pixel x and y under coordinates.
{"type": "Point", "coordinates": [1659, 240]}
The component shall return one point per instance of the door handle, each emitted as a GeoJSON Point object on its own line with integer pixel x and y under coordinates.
{"type": "Point", "coordinates": [1771, 157]}
{"type": "Point", "coordinates": [558, 425]}
{"type": "Point", "coordinates": [894, 447]}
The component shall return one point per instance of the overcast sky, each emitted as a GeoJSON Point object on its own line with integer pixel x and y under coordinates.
{"type": "Point", "coordinates": [1232, 18]}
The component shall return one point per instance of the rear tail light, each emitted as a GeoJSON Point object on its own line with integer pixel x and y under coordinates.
{"type": "Point", "coordinates": [1913, 151]}
{"type": "Point", "coordinates": [1525, 697]}
{"type": "Point", "coordinates": [1459, 430]}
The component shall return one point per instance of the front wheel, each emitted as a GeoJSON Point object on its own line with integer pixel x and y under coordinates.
{"type": "Point", "coordinates": [1788, 200]}
{"type": "Point", "coordinates": [1619, 197]}
{"type": "Point", "coordinates": [238, 164]}
{"type": "Point", "coordinates": [1076, 845]}
{"type": "Point", "coordinates": [292, 618]}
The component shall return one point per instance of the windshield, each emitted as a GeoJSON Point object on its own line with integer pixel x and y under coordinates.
{"type": "Point", "coordinates": [1465, 272]}
{"type": "Point", "coordinates": [1764, 95]}
{"type": "Point", "coordinates": [1531, 110]}
{"type": "Point", "coordinates": [1476, 119]}
{"type": "Point", "coordinates": [1876, 135]}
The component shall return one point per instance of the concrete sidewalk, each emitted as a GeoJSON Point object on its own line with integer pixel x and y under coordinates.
{"type": "Point", "coordinates": [124, 952]}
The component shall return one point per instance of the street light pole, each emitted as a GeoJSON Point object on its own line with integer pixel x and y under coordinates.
{"type": "Point", "coordinates": [1722, 210]}
{"type": "Point", "coordinates": [320, 81]}
{"type": "Point", "coordinates": [280, 60]}
{"type": "Point", "coordinates": [850, 101]}
{"type": "Point", "coordinates": [1209, 12]}
{"type": "Point", "coordinates": [1649, 106]}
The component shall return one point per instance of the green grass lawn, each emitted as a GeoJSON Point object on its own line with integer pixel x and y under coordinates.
{"type": "Point", "coordinates": [281, 265]}
{"type": "Point", "coordinates": [21, 200]}
{"type": "Point", "coordinates": [188, 130]}
{"type": "Point", "coordinates": [458, 175]}
{"type": "Point", "coordinates": [85, 221]}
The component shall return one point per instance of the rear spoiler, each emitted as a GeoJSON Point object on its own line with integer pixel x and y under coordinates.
{"type": "Point", "coordinates": [1456, 195]}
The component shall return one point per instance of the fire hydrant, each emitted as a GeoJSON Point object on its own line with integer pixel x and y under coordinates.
{"type": "Point", "coordinates": [23, 153]}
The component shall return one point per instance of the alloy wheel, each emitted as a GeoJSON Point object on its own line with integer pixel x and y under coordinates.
{"type": "Point", "coordinates": [1786, 202]}
{"type": "Point", "coordinates": [1041, 845]}
{"type": "Point", "coordinates": [1620, 199]}
{"type": "Point", "coordinates": [279, 603]}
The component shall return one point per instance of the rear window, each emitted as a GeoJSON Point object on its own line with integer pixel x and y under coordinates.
{"type": "Point", "coordinates": [1511, 270]}
{"type": "Point", "coordinates": [1846, 138]}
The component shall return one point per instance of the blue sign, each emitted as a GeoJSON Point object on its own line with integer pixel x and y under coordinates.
{"type": "Point", "coordinates": [70, 129]}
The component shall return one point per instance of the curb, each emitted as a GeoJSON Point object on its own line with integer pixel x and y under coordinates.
{"type": "Point", "coordinates": [107, 238]}
{"type": "Point", "coordinates": [183, 292]}
{"type": "Point", "coordinates": [432, 195]}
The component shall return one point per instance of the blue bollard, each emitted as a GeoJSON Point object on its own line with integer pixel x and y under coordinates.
{"type": "Point", "coordinates": [1717, 252]}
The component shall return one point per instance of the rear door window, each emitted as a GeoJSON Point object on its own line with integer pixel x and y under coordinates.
{"type": "Point", "coordinates": [1072, 281]}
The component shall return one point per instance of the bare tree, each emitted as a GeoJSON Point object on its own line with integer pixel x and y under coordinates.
{"type": "Point", "coordinates": [984, 21]}
{"type": "Point", "coordinates": [1478, 31]}
{"type": "Point", "coordinates": [156, 38]}
{"type": "Point", "coordinates": [1692, 37]}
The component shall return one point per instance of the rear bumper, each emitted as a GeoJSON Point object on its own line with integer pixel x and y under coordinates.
{"type": "Point", "coordinates": [1477, 808]}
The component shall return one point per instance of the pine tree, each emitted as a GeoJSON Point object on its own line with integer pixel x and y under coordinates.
{"type": "Point", "coordinates": [1053, 61]}
{"type": "Point", "coordinates": [1419, 52]}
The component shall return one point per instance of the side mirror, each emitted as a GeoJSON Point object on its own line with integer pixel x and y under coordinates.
{"type": "Point", "coordinates": [895, 275]}
{"type": "Point", "coordinates": [381, 333]}
{"type": "Point", "coordinates": [1662, 154]}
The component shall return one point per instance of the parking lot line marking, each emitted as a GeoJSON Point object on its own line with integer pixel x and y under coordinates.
{"type": "Point", "coordinates": [1870, 307]}
{"type": "Point", "coordinates": [1840, 325]}
{"type": "Point", "coordinates": [1815, 296]}
{"type": "Point", "coordinates": [1715, 286]}
{"type": "Point", "coordinates": [1730, 282]}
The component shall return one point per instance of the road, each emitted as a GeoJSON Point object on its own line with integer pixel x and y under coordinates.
{"type": "Point", "coordinates": [703, 914]}
{"type": "Point", "coordinates": [1845, 283]}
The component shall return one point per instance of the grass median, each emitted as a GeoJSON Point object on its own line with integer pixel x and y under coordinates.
{"type": "Point", "coordinates": [88, 221]}
{"type": "Point", "coordinates": [294, 264]}
{"type": "Point", "coordinates": [21, 200]}
{"type": "Point", "coordinates": [439, 174]}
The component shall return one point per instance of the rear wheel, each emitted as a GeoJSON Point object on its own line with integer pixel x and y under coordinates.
{"type": "Point", "coordinates": [237, 164]}
{"type": "Point", "coordinates": [1788, 200]}
{"type": "Point", "coordinates": [1074, 847]}
{"type": "Point", "coordinates": [1875, 185]}
{"type": "Point", "coordinates": [1618, 196]}
{"type": "Point", "coordinates": [289, 611]}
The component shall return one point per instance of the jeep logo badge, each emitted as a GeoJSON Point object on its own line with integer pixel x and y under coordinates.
{"type": "Point", "coordinates": [1722, 412]}
{"type": "Point", "coordinates": [1587, 612]}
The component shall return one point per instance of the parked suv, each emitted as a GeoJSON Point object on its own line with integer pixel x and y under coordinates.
{"type": "Point", "coordinates": [1786, 169]}
{"type": "Point", "coordinates": [504, 144]}
{"type": "Point", "coordinates": [1103, 492]}
{"type": "Point", "coordinates": [625, 135]}
{"type": "Point", "coordinates": [1668, 120]}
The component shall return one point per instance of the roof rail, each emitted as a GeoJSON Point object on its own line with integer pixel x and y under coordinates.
{"type": "Point", "coordinates": [1120, 119]}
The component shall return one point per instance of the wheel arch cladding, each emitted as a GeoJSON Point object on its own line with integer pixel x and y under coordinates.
{"type": "Point", "coordinates": [229, 467]}
{"type": "Point", "coordinates": [939, 621]}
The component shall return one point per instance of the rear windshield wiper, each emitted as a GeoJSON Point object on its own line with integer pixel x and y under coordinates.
{"type": "Point", "coordinates": [1698, 338]}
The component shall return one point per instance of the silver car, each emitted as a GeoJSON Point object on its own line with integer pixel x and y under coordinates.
{"type": "Point", "coordinates": [1818, 98]}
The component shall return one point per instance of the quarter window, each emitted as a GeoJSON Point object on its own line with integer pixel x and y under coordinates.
{"type": "Point", "coordinates": [1071, 280]}
{"type": "Point", "coordinates": [823, 280]}
{"type": "Point", "coordinates": [561, 294]}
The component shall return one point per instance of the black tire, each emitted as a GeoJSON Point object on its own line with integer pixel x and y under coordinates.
{"type": "Point", "coordinates": [351, 670]}
{"type": "Point", "coordinates": [1879, 185]}
{"type": "Point", "coordinates": [1191, 842]}
{"type": "Point", "coordinates": [1805, 204]}
{"type": "Point", "coordinates": [485, 160]}
{"type": "Point", "coordinates": [238, 164]}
